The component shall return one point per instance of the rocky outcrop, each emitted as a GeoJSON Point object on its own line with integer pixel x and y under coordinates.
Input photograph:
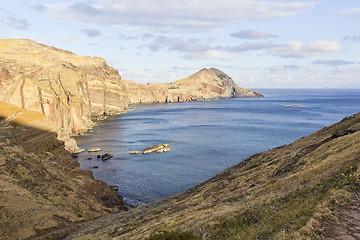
{"type": "Point", "coordinates": [67, 88]}
{"type": "Point", "coordinates": [210, 84]}
{"type": "Point", "coordinates": [42, 188]}
{"type": "Point", "coordinates": [157, 148]}
{"type": "Point", "coordinates": [207, 84]}
{"type": "Point", "coordinates": [72, 91]}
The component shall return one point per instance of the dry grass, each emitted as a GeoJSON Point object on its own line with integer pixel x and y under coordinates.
{"type": "Point", "coordinates": [284, 193]}
{"type": "Point", "coordinates": [41, 188]}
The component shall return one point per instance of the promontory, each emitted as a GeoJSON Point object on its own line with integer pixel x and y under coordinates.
{"type": "Point", "coordinates": [72, 91]}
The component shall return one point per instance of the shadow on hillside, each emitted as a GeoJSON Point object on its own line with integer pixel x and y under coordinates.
{"type": "Point", "coordinates": [43, 193]}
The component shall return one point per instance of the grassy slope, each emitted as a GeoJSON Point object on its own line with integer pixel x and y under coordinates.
{"type": "Point", "coordinates": [41, 187]}
{"type": "Point", "coordinates": [284, 193]}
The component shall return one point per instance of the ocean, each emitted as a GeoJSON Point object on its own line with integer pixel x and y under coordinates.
{"type": "Point", "coordinates": [206, 137]}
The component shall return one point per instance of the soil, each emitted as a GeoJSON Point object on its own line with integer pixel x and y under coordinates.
{"type": "Point", "coordinates": [347, 226]}
{"type": "Point", "coordinates": [43, 193]}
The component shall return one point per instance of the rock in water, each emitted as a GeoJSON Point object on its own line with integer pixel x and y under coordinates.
{"type": "Point", "coordinates": [166, 149]}
{"type": "Point", "coordinates": [134, 152]}
{"type": "Point", "coordinates": [94, 149]}
{"type": "Point", "coordinates": [300, 106]}
{"type": "Point", "coordinates": [157, 148]}
{"type": "Point", "coordinates": [106, 156]}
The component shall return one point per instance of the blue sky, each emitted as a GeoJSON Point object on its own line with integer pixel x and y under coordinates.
{"type": "Point", "coordinates": [260, 44]}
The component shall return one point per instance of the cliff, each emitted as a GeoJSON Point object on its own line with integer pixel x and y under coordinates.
{"type": "Point", "coordinates": [67, 88]}
{"type": "Point", "coordinates": [74, 90]}
{"type": "Point", "coordinates": [41, 187]}
{"type": "Point", "coordinates": [207, 84]}
{"type": "Point", "coordinates": [290, 192]}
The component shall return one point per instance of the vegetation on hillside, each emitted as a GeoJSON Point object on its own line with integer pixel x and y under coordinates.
{"type": "Point", "coordinates": [285, 193]}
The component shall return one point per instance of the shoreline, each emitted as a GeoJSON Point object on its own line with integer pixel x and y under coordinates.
{"type": "Point", "coordinates": [228, 191]}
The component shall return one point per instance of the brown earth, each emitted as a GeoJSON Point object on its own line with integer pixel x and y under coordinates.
{"type": "Point", "coordinates": [284, 193]}
{"type": "Point", "coordinates": [347, 223]}
{"type": "Point", "coordinates": [41, 187]}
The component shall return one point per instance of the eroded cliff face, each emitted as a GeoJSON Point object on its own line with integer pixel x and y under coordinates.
{"type": "Point", "coordinates": [73, 90]}
{"type": "Point", "coordinates": [67, 88]}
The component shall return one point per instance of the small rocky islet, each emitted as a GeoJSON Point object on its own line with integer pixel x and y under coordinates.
{"type": "Point", "coordinates": [161, 148]}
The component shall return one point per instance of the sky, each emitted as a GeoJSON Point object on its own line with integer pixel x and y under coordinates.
{"type": "Point", "coordinates": [259, 43]}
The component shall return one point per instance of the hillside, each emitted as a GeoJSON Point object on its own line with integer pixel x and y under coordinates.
{"type": "Point", "coordinates": [290, 192]}
{"type": "Point", "coordinates": [207, 84]}
{"type": "Point", "coordinates": [212, 83]}
{"type": "Point", "coordinates": [41, 187]}
{"type": "Point", "coordinates": [74, 91]}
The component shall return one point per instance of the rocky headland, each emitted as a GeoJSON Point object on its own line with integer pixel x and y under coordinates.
{"type": "Point", "coordinates": [74, 91]}
{"type": "Point", "coordinates": [207, 84]}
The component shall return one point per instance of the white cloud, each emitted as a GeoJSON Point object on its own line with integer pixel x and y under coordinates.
{"type": "Point", "coordinates": [252, 34]}
{"type": "Point", "coordinates": [199, 49]}
{"type": "Point", "coordinates": [176, 15]}
{"type": "Point", "coordinates": [91, 32]}
{"type": "Point", "coordinates": [39, 7]}
{"type": "Point", "coordinates": [193, 48]}
{"type": "Point", "coordinates": [293, 49]}
{"type": "Point", "coordinates": [297, 49]}
{"type": "Point", "coordinates": [17, 23]}
{"type": "Point", "coordinates": [209, 54]}
{"type": "Point", "coordinates": [178, 44]}
{"type": "Point", "coordinates": [284, 68]}
{"type": "Point", "coordinates": [353, 38]}
{"type": "Point", "coordinates": [345, 77]}
{"type": "Point", "coordinates": [250, 46]}
{"type": "Point", "coordinates": [353, 12]}
{"type": "Point", "coordinates": [183, 67]}
{"type": "Point", "coordinates": [332, 62]}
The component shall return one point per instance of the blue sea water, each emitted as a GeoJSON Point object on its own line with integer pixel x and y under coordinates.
{"type": "Point", "coordinates": [206, 137]}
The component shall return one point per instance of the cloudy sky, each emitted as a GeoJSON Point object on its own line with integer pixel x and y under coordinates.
{"type": "Point", "coordinates": [259, 43]}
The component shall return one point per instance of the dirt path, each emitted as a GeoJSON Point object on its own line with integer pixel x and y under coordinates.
{"type": "Point", "coordinates": [348, 225]}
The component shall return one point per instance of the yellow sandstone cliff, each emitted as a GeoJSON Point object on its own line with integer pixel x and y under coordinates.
{"type": "Point", "coordinates": [74, 90]}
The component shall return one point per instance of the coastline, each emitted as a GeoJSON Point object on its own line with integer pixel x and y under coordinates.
{"type": "Point", "coordinates": [159, 120]}
{"type": "Point", "coordinates": [274, 179]}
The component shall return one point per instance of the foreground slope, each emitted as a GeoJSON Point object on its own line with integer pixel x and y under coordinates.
{"type": "Point", "coordinates": [284, 193]}
{"type": "Point", "coordinates": [41, 187]}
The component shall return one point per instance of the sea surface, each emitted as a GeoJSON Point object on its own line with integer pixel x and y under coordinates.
{"type": "Point", "coordinates": [206, 137]}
